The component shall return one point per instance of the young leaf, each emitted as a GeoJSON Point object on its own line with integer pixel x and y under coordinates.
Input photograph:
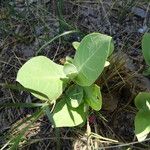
{"type": "Point", "coordinates": [76, 45]}
{"type": "Point", "coordinates": [142, 124]}
{"type": "Point", "coordinates": [70, 70]}
{"type": "Point", "coordinates": [42, 75]}
{"type": "Point", "coordinates": [90, 57]}
{"type": "Point", "coordinates": [141, 99]}
{"type": "Point", "coordinates": [66, 116]}
{"type": "Point", "coordinates": [93, 97]}
{"type": "Point", "coordinates": [74, 96]}
{"type": "Point", "coordinates": [146, 47]}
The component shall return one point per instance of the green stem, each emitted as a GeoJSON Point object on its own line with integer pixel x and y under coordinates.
{"type": "Point", "coordinates": [53, 39]}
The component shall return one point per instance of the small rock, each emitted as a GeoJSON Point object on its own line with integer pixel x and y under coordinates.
{"type": "Point", "coordinates": [39, 30]}
{"type": "Point", "coordinates": [28, 53]}
{"type": "Point", "coordinates": [139, 12]}
{"type": "Point", "coordinates": [32, 1]}
{"type": "Point", "coordinates": [143, 29]}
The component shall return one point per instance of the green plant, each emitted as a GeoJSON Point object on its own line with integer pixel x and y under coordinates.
{"type": "Point", "coordinates": [142, 100]}
{"type": "Point", "coordinates": [142, 119]}
{"type": "Point", "coordinates": [70, 88]}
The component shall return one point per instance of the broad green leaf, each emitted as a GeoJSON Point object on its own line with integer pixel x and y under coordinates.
{"type": "Point", "coordinates": [90, 57]}
{"type": "Point", "coordinates": [141, 99]}
{"type": "Point", "coordinates": [93, 97]}
{"type": "Point", "coordinates": [74, 95]}
{"type": "Point", "coordinates": [76, 45]}
{"type": "Point", "coordinates": [42, 75]}
{"type": "Point", "coordinates": [70, 70]}
{"type": "Point", "coordinates": [142, 124]}
{"type": "Point", "coordinates": [146, 47]}
{"type": "Point", "coordinates": [66, 116]}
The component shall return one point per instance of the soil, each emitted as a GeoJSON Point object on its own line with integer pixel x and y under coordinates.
{"type": "Point", "coordinates": [24, 29]}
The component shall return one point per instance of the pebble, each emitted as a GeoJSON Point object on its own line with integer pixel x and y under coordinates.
{"type": "Point", "coordinates": [143, 29]}
{"type": "Point", "coordinates": [139, 12]}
